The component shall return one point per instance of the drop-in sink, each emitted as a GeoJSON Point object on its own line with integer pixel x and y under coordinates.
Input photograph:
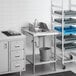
{"type": "Point", "coordinates": [11, 33]}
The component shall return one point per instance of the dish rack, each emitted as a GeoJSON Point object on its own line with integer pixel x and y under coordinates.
{"type": "Point", "coordinates": [65, 25]}
{"type": "Point", "coordinates": [67, 30]}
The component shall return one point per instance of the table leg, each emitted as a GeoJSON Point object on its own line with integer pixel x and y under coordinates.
{"type": "Point", "coordinates": [33, 55]}
{"type": "Point", "coordinates": [55, 52]}
{"type": "Point", "coordinates": [43, 41]}
{"type": "Point", "coordinates": [20, 73]}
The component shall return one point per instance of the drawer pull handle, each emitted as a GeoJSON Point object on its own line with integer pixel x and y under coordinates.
{"type": "Point", "coordinates": [17, 66]}
{"type": "Point", "coordinates": [17, 56]}
{"type": "Point", "coordinates": [17, 46]}
{"type": "Point", "coordinates": [5, 46]}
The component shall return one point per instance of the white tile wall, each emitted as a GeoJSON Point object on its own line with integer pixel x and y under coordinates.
{"type": "Point", "coordinates": [15, 13]}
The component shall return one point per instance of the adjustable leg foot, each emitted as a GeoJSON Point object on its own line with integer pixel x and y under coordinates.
{"type": "Point", "coordinates": [71, 57]}
{"type": "Point", "coordinates": [63, 67]}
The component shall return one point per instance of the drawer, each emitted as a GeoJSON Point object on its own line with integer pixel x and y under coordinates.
{"type": "Point", "coordinates": [17, 55]}
{"type": "Point", "coordinates": [18, 65]}
{"type": "Point", "coordinates": [15, 45]}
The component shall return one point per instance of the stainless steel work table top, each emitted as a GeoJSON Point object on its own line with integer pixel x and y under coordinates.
{"type": "Point", "coordinates": [50, 32]}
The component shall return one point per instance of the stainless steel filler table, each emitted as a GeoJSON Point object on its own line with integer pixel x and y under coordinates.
{"type": "Point", "coordinates": [32, 59]}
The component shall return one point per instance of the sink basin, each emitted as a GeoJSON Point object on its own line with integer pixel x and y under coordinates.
{"type": "Point", "coordinates": [11, 33]}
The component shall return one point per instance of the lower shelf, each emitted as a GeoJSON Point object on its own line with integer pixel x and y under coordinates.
{"type": "Point", "coordinates": [71, 57]}
{"type": "Point", "coordinates": [37, 60]}
{"type": "Point", "coordinates": [69, 61]}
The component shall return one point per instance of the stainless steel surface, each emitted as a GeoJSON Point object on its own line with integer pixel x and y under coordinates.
{"type": "Point", "coordinates": [34, 35]}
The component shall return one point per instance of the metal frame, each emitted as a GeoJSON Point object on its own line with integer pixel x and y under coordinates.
{"type": "Point", "coordinates": [42, 34]}
{"type": "Point", "coordinates": [62, 33]}
{"type": "Point", "coordinates": [43, 46]}
{"type": "Point", "coordinates": [63, 24]}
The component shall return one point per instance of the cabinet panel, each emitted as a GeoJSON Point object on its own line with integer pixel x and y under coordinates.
{"type": "Point", "coordinates": [3, 56]}
{"type": "Point", "coordinates": [15, 45]}
{"type": "Point", "coordinates": [17, 65]}
{"type": "Point", "coordinates": [17, 55]}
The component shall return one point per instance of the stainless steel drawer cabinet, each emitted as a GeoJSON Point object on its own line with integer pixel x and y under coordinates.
{"type": "Point", "coordinates": [17, 55]}
{"type": "Point", "coordinates": [12, 53]}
